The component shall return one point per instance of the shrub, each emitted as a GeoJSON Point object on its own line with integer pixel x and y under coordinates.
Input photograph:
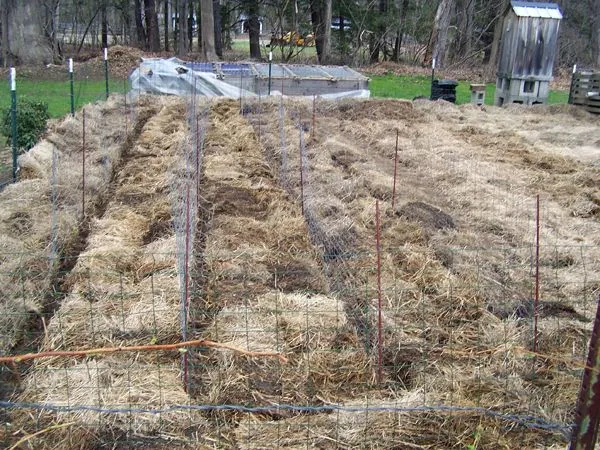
{"type": "Point", "coordinates": [31, 123]}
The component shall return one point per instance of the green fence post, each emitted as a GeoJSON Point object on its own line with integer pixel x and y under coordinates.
{"type": "Point", "coordinates": [106, 70]}
{"type": "Point", "coordinates": [72, 88]}
{"type": "Point", "coordinates": [570, 101]}
{"type": "Point", "coordinates": [432, 77]}
{"type": "Point", "coordinates": [13, 119]}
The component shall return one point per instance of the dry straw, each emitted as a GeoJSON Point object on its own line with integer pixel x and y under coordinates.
{"type": "Point", "coordinates": [455, 295]}
{"type": "Point", "coordinates": [41, 215]}
{"type": "Point", "coordinates": [123, 294]}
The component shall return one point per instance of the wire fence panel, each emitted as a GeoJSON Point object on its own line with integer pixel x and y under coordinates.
{"type": "Point", "coordinates": [230, 285]}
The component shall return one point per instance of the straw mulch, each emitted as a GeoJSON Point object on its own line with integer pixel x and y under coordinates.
{"type": "Point", "coordinates": [456, 250]}
{"type": "Point", "coordinates": [124, 290]}
{"type": "Point", "coordinates": [40, 218]}
{"type": "Point", "coordinates": [264, 289]}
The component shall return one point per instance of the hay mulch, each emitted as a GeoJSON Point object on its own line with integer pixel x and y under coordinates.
{"type": "Point", "coordinates": [124, 291]}
{"type": "Point", "coordinates": [41, 215]}
{"type": "Point", "coordinates": [265, 289]}
{"type": "Point", "coordinates": [456, 262]}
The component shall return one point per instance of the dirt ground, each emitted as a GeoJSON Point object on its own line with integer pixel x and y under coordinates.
{"type": "Point", "coordinates": [434, 350]}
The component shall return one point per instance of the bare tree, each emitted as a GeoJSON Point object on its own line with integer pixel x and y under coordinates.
{"type": "Point", "coordinates": [595, 31]}
{"type": "Point", "coordinates": [167, 19]}
{"type": "Point", "coordinates": [104, 19]}
{"type": "Point", "coordinates": [438, 41]}
{"type": "Point", "coordinates": [402, 18]}
{"type": "Point", "coordinates": [252, 9]}
{"type": "Point", "coordinates": [501, 7]}
{"type": "Point", "coordinates": [218, 28]}
{"type": "Point", "coordinates": [151, 18]}
{"type": "Point", "coordinates": [208, 29]}
{"type": "Point", "coordinates": [182, 11]}
{"type": "Point", "coordinates": [139, 23]}
{"type": "Point", "coordinates": [24, 35]}
{"type": "Point", "coordinates": [320, 13]}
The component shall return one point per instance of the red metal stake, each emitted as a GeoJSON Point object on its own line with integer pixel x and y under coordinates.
{"type": "Point", "coordinates": [587, 414]}
{"type": "Point", "coordinates": [536, 303]}
{"type": "Point", "coordinates": [302, 169]}
{"type": "Point", "coordinates": [197, 159]}
{"type": "Point", "coordinates": [186, 282]}
{"type": "Point", "coordinates": [312, 131]}
{"type": "Point", "coordinates": [379, 318]}
{"type": "Point", "coordinates": [83, 168]}
{"type": "Point", "coordinates": [395, 171]}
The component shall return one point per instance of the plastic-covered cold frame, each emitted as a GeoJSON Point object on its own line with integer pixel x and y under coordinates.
{"type": "Point", "coordinates": [232, 79]}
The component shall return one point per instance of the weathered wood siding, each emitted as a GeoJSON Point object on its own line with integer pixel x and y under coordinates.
{"type": "Point", "coordinates": [528, 47]}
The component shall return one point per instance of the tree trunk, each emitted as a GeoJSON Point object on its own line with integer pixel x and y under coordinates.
{"type": "Point", "coordinates": [465, 10]}
{"type": "Point", "coordinates": [218, 30]}
{"type": "Point", "coordinates": [4, 7]}
{"type": "Point", "coordinates": [320, 14]}
{"type": "Point", "coordinates": [199, 16]}
{"type": "Point", "coordinates": [400, 34]}
{"type": "Point", "coordinates": [151, 18]}
{"type": "Point", "coordinates": [595, 32]}
{"type": "Point", "coordinates": [139, 24]}
{"type": "Point", "coordinates": [182, 27]}
{"type": "Point", "coordinates": [25, 35]}
{"type": "Point", "coordinates": [190, 24]}
{"type": "Point", "coordinates": [104, 21]}
{"type": "Point", "coordinates": [208, 30]}
{"type": "Point", "coordinates": [167, 19]}
{"type": "Point", "coordinates": [498, 29]}
{"type": "Point", "coordinates": [438, 41]}
{"type": "Point", "coordinates": [252, 10]}
{"type": "Point", "coordinates": [377, 38]}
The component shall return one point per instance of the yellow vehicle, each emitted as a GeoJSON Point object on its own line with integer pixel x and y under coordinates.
{"type": "Point", "coordinates": [293, 38]}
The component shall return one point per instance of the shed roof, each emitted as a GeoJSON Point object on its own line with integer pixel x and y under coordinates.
{"type": "Point", "coordinates": [536, 9]}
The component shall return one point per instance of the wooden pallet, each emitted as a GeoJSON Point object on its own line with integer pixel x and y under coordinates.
{"type": "Point", "coordinates": [593, 104]}
{"type": "Point", "coordinates": [584, 83]}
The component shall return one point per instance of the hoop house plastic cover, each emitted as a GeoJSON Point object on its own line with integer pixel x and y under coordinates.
{"type": "Point", "coordinates": [175, 77]}
{"type": "Point", "coordinates": [172, 77]}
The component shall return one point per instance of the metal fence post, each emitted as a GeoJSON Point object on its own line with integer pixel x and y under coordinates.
{"type": "Point", "coordinates": [570, 101]}
{"type": "Point", "coordinates": [13, 119]}
{"type": "Point", "coordinates": [72, 87]}
{"type": "Point", "coordinates": [106, 70]}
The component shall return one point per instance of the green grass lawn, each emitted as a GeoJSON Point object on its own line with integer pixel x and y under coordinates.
{"type": "Point", "coordinates": [411, 86]}
{"type": "Point", "coordinates": [57, 93]}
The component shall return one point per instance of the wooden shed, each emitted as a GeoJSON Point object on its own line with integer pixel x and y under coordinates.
{"type": "Point", "coordinates": [527, 49]}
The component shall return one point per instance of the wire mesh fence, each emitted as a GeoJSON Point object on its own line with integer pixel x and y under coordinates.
{"type": "Point", "coordinates": [210, 271]}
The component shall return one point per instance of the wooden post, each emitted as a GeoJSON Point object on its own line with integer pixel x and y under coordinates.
{"type": "Point", "coordinates": [587, 413]}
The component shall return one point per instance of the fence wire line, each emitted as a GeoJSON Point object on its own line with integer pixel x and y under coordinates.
{"type": "Point", "coordinates": [524, 420]}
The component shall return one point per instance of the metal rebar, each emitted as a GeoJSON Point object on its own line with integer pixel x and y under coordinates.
{"type": "Point", "coordinates": [536, 301]}
{"type": "Point", "coordinates": [395, 171]}
{"type": "Point", "coordinates": [302, 168]}
{"type": "Point", "coordinates": [379, 302]}
{"type": "Point", "coordinates": [83, 167]}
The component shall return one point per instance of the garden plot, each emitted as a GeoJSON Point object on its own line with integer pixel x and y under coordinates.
{"type": "Point", "coordinates": [265, 290]}
{"type": "Point", "coordinates": [284, 259]}
{"type": "Point", "coordinates": [124, 290]}
{"type": "Point", "coordinates": [458, 248]}
{"type": "Point", "coordinates": [41, 216]}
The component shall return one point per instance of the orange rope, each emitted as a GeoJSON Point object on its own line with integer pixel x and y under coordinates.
{"type": "Point", "coordinates": [140, 348]}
